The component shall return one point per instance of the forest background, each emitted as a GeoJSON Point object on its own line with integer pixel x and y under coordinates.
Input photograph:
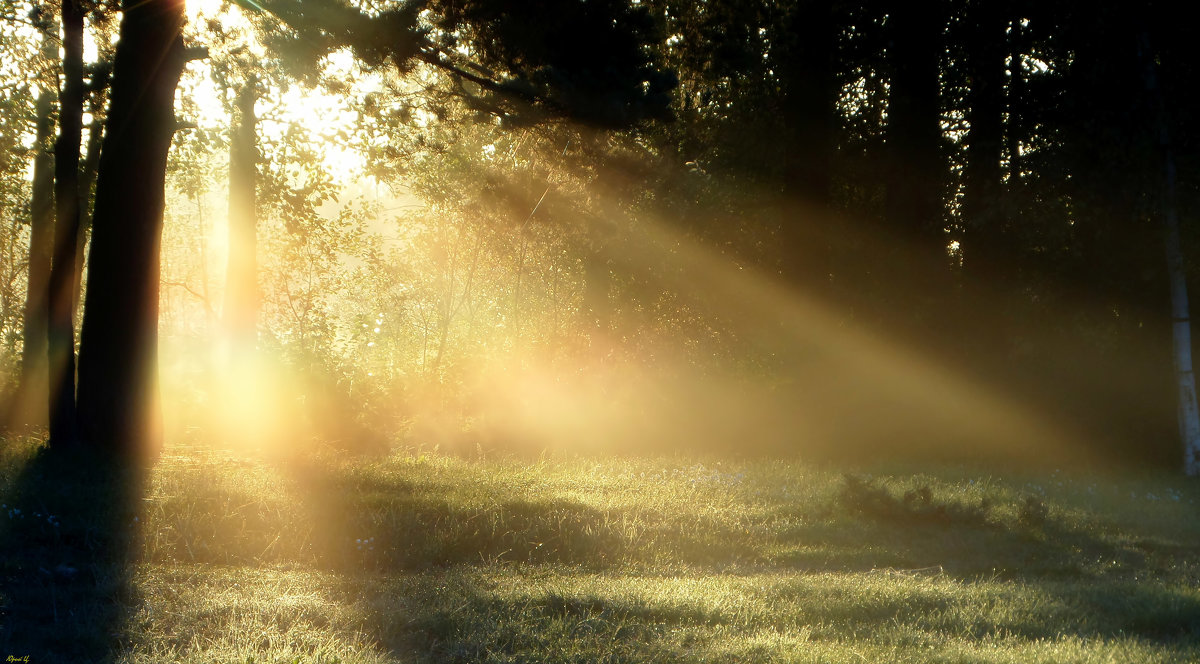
{"type": "Point", "coordinates": [828, 228]}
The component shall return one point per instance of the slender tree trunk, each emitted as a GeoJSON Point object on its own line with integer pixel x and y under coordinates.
{"type": "Point", "coordinates": [1014, 128]}
{"type": "Point", "coordinates": [1189, 414]}
{"type": "Point", "coordinates": [241, 281]}
{"type": "Point", "coordinates": [917, 172]}
{"type": "Point", "coordinates": [63, 430]}
{"type": "Point", "coordinates": [1181, 327]}
{"type": "Point", "coordinates": [118, 407]}
{"type": "Point", "coordinates": [981, 209]}
{"type": "Point", "coordinates": [809, 96]}
{"type": "Point", "coordinates": [987, 246]}
{"type": "Point", "coordinates": [87, 181]}
{"type": "Point", "coordinates": [29, 402]}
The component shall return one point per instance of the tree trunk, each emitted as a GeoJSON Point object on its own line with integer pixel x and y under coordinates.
{"type": "Point", "coordinates": [28, 405]}
{"type": "Point", "coordinates": [118, 407]}
{"type": "Point", "coordinates": [87, 179]}
{"type": "Point", "coordinates": [1181, 328]}
{"type": "Point", "coordinates": [61, 337]}
{"type": "Point", "coordinates": [983, 173]}
{"type": "Point", "coordinates": [916, 170]}
{"type": "Point", "coordinates": [1014, 129]}
{"type": "Point", "coordinates": [241, 281]}
{"type": "Point", "coordinates": [809, 96]}
{"type": "Point", "coordinates": [987, 254]}
{"type": "Point", "coordinates": [1189, 414]}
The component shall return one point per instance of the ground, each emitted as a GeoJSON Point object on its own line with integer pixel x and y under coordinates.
{"type": "Point", "coordinates": [211, 557]}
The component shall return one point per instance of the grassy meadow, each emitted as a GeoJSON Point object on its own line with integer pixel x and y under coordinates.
{"type": "Point", "coordinates": [211, 557]}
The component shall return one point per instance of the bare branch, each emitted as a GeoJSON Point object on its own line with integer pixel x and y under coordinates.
{"type": "Point", "coordinates": [199, 296]}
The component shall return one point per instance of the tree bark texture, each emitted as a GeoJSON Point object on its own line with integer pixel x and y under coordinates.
{"type": "Point", "coordinates": [117, 394]}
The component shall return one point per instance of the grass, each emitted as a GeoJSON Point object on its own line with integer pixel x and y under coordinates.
{"type": "Point", "coordinates": [423, 558]}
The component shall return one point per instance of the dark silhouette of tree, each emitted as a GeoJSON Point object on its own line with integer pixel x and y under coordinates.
{"type": "Point", "coordinates": [61, 337]}
{"type": "Point", "coordinates": [983, 210]}
{"type": "Point", "coordinates": [98, 92]}
{"type": "Point", "coordinates": [1188, 413]}
{"type": "Point", "coordinates": [804, 57]}
{"type": "Point", "coordinates": [118, 344]}
{"type": "Point", "coordinates": [916, 178]}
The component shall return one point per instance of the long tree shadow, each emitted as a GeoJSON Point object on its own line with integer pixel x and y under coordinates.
{"type": "Point", "coordinates": [465, 613]}
{"type": "Point", "coordinates": [443, 563]}
{"type": "Point", "coordinates": [415, 528]}
{"type": "Point", "coordinates": [457, 581]}
{"type": "Point", "coordinates": [67, 529]}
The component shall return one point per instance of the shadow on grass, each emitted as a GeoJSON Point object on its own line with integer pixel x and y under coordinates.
{"type": "Point", "coordinates": [463, 614]}
{"type": "Point", "coordinates": [874, 527]}
{"type": "Point", "coordinates": [443, 563]}
{"type": "Point", "coordinates": [66, 535]}
{"type": "Point", "coordinates": [394, 525]}
{"type": "Point", "coordinates": [866, 528]}
{"type": "Point", "coordinates": [893, 565]}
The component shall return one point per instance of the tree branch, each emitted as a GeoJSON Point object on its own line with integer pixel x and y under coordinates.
{"type": "Point", "coordinates": [199, 296]}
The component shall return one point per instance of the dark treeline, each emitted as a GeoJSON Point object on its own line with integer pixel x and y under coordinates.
{"type": "Point", "coordinates": [985, 179]}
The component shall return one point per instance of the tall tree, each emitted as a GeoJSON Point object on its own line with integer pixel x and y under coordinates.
{"type": "Point", "coordinates": [61, 337]}
{"type": "Point", "coordinates": [982, 208]}
{"type": "Point", "coordinates": [805, 58]}
{"type": "Point", "coordinates": [117, 390]}
{"type": "Point", "coordinates": [29, 402]}
{"type": "Point", "coordinates": [1185, 378]}
{"type": "Point", "coordinates": [240, 313]}
{"type": "Point", "coordinates": [916, 168]}
{"type": "Point", "coordinates": [98, 90]}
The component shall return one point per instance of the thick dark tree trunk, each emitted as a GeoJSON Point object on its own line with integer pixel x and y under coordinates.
{"type": "Point", "coordinates": [241, 278]}
{"type": "Point", "coordinates": [916, 168]}
{"type": "Point", "coordinates": [118, 407]}
{"type": "Point", "coordinates": [28, 405]}
{"type": "Point", "coordinates": [809, 97]}
{"type": "Point", "coordinates": [61, 337]}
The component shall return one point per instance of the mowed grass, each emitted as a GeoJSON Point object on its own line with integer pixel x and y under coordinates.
{"type": "Point", "coordinates": [427, 558]}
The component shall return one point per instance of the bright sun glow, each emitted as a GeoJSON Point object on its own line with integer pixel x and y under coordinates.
{"type": "Point", "coordinates": [197, 10]}
{"type": "Point", "coordinates": [325, 116]}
